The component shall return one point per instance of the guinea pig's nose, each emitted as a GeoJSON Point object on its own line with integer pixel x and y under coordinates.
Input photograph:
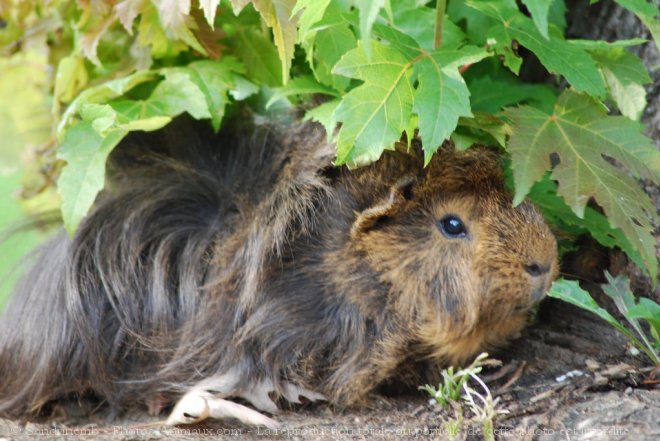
{"type": "Point", "coordinates": [536, 269]}
{"type": "Point", "coordinates": [540, 273]}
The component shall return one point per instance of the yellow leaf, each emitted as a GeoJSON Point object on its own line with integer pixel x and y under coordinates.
{"type": "Point", "coordinates": [277, 15]}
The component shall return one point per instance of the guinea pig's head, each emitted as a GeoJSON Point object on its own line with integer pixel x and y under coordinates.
{"type": "Point", "coordinates": [465, 266]}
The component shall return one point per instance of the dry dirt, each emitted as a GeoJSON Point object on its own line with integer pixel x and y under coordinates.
{"type": "Point", "coordinates": [604, 398]}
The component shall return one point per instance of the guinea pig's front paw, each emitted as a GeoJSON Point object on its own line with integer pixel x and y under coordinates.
{"type": "Point", "coordinates": [205, 400]}
{"type": "Point", "coordinates": [198, 405]}
{"type": "Point", "coordinates": [259, 395]}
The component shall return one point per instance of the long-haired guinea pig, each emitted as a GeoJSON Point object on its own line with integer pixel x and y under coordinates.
{"type": "Point", "coordinates": [256, 269]}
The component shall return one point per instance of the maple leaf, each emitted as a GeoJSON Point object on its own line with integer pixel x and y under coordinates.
{"type": "Point", "coordinates": [209, 7]}
{"type": "Point", "coordinates": [586, 140]}
{"type": "Point", "coordinates": [376, 113]}
{"type": "Point", "coordinates": [126, 11]}
{"type": "Point", "coordinates": [173, 12]}
{"type": "Point", "coordinates": [539, 10]}
{"type": "Point", "coordinates": [442, 96]}
{"type": "Point", "coordinates": [277, 15]}
{"type": "Point", "coordinates": [555, 53]}
{"type": "Point", "coordinates": [89, 42]}
{"type": "Point", "coordinates": [624, 75]}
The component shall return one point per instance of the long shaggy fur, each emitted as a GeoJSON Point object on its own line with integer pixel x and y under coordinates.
{"type": "Point", "coordinates": [257, 260]}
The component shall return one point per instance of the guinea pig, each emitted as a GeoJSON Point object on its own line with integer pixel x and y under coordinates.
{"type": "Point", "coordinates": [251, 267]}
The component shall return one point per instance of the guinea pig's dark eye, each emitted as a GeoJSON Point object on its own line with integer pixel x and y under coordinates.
{"type": "Point", "coordinates": [452, 227]}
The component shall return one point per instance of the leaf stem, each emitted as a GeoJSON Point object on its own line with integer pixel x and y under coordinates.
{"type": "Point", "coordinates": [439, 19]}
{"type": "Point", "coordinates": [645, 345]}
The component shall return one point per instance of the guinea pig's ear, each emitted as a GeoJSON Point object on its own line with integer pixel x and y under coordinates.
{"type": "Point", "coordinates": [400, 192]}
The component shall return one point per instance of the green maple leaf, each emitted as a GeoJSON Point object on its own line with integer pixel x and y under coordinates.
{"type": "Point", "coordinates": [215, 79]}
{"type": "Point", "coordinates": [492, 94]}
{"type": "Point", "coordinates": [583, 136]}
{"type": "Point", "coordinates": [312, 12]}
{"type": "Point", "coordinates": [87, 144]}
{"type": "Point", "coordinates": [258, 55]}
{"type": "Point", "coordinates": [624, 74]}
{"type": "Point", "coordinates": [130, 115]}
{"type": "Point", "coordinates": [326, 42]}
{"type": "Point", "coordinates": [442, 96]}
{"type": "Point", "coordinates": [375, 113]}
{"type": "Point", "coordinates": [330, 45]}
{"type": "Point", "coordinates": [554, 209]}
{"type": "Point", "coordinates": [85, 151]}
{"type": "Point", "coordinates": [555, 53]}
{"type": "Point", "coordinates": [262, 59]}
{"type": "Point", "coordinates": [103, 93]}
{"type": "Point", "coordinates": [179, 93]}
{"type": "Point", "coordinates": [539, 10]}
{"type": "Point", "coordinates": [325, 115]}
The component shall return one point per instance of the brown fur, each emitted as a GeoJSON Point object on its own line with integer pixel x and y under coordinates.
{"type": "Point", "coordinates": [257, 263]}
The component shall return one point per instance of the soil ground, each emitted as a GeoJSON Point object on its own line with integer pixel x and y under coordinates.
{"type": "Point", "coordinates": [569, 377]}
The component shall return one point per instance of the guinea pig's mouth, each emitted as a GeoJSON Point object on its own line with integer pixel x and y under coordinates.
{"type": "Point", "coordinates": [535, 298]}
{"type": "Point", "coordinates": [522, 308]}
{"type": "Point", "coordinates": [538, 294]}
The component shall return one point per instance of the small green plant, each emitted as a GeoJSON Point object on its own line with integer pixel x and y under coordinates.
{"type": "Point", "coordinates": [451, 388]}
{"type": "Point", "coordinates": [618, 289]}
{"type": "Point", "coordinates": [455, 391]}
